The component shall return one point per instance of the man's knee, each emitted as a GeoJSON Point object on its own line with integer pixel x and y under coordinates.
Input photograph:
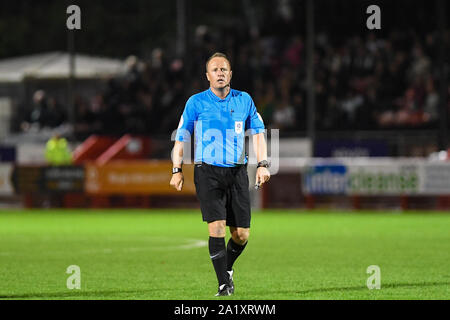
{"type": "Point", "coordinates": [240, 235]}
{"type": "Point", "coordinates": [217, 228]}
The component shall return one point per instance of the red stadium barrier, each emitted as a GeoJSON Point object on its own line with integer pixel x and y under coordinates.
{"type": "Point", "coordinates": [92, 148]}
{"type": "Point", "coordinates": [126, 148]}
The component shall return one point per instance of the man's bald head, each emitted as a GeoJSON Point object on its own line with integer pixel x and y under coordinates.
{"type": "Point", "coordinates": [217, 55]}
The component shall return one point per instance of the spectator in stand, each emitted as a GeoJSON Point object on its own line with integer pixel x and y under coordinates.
{"type": "Point", "coordinates": [300, 110]}
{"type": "Point", "coordinates": [46, 112]}
{"type": "Point", "coordinates": [57, 152]}
{"type": "Point", "coordinates": [284, 114]}
{"type": "Point", "coordinates": [266, 104]}
{"type": "Point", "coordinates": [350, 106]}
{"type": "Point", "coordinates": [55, 114]}
{"type": "Point", "coordinates": [420, 64]}
{"type": "Point", "coordinates": [86, 121]}
{"type": "Point", "coordinates": [294, 52]}
{"type": "Point", "coordinates": [430, 110]}
{"type": "Point", "coordinates": [36, 118]}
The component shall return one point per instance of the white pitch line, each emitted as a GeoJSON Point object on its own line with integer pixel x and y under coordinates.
{"type": "Point", "coordinates": [190, 244]}
{"type": "Point", "coordinates": [195, 244]}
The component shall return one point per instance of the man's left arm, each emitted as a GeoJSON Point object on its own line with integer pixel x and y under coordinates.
{"type": "Point", "coordinates": [260, 147]}
{"type": "Point", "coordinates": [256, 126]}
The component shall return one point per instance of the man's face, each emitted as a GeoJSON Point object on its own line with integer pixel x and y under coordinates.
{"type": "Point", "coordinates": [219, 73]}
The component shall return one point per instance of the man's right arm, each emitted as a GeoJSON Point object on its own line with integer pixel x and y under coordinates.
{"type": "Point", "coordinates": [177, 157]}
{"type": "Point", "coordinates": [177, 160]}
{"type": "Point", "coordinates": [184, 132]}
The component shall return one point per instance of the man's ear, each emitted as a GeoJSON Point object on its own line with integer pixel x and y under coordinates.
{"type": "Point", "coordinates": [231, 74]}
{"type": "Point", "coordinates": [207, 76]}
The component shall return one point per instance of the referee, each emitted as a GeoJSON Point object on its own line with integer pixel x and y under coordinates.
{"type": "Point", "coordinates": [219, 117]}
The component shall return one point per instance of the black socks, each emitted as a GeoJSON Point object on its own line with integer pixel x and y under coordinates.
{"type": "Point", "coordinates": [233, 252]}
{"type": "Point", "coordinates": [218, 255]}
{"type": "Point", "coordinates": [224, 258]}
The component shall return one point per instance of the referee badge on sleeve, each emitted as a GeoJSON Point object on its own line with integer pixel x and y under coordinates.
{"type": "Point", "coordinates": [238, 126]}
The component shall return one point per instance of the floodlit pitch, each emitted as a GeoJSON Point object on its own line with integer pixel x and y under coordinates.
{"type": "Point", "coordinates": [160, 254]}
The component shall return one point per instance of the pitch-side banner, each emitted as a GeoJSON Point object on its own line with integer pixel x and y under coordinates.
{"type": "Point", "coordinates": [136, 177]}
{"type": "Point", "coordinates": [384, 179]}
{"type": "Point", "coordinates": [47, 179]}
{"type": "Point", "coordinates": [6, 187]}
{"type": "Point", "coordinates": [376, 177]}
{"type": "Point", "coordinates": [435, 179]}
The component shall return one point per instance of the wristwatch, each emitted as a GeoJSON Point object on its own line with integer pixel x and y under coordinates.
{"type": "Point", "coordinates": [263, 163]}
{"type": "Point", "coordinates": [176, 170]}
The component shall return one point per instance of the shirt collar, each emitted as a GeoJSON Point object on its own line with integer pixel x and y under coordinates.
{"type": "Point", "coordinates": [217, 99]}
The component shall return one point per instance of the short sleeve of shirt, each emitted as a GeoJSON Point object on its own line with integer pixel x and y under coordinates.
{"type": "Point", "coordinates": [254, 120]}
{"type": "Point", "coordinates": [186, 124]}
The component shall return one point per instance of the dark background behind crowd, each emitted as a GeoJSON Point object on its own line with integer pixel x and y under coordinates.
{"type": "Point", "coordinates": [364, 80]}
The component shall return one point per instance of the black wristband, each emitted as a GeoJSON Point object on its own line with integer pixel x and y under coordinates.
{"type": "Point", "coordinates": [176, 170]}
{"type": "Point", "coordinates": [263, 163]}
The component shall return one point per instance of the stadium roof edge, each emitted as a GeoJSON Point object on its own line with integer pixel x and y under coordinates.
{"type": "Point", "coordinates": [55, 65]}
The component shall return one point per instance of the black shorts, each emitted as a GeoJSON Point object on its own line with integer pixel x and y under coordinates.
{"type": "Point", "coordinates": [223, 194]}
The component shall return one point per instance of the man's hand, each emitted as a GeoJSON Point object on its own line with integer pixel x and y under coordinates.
{"type": "Point", "coordinates": [262, 175]}
{"type": "Point", "coordinates": [177, 181]}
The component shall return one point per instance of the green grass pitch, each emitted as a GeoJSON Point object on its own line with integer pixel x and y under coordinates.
{"type": "Point", "coordinates": [163, 254]}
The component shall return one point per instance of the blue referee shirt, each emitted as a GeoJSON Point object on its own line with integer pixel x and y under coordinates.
{"type": "Point", "coordinates": [220, 126]}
